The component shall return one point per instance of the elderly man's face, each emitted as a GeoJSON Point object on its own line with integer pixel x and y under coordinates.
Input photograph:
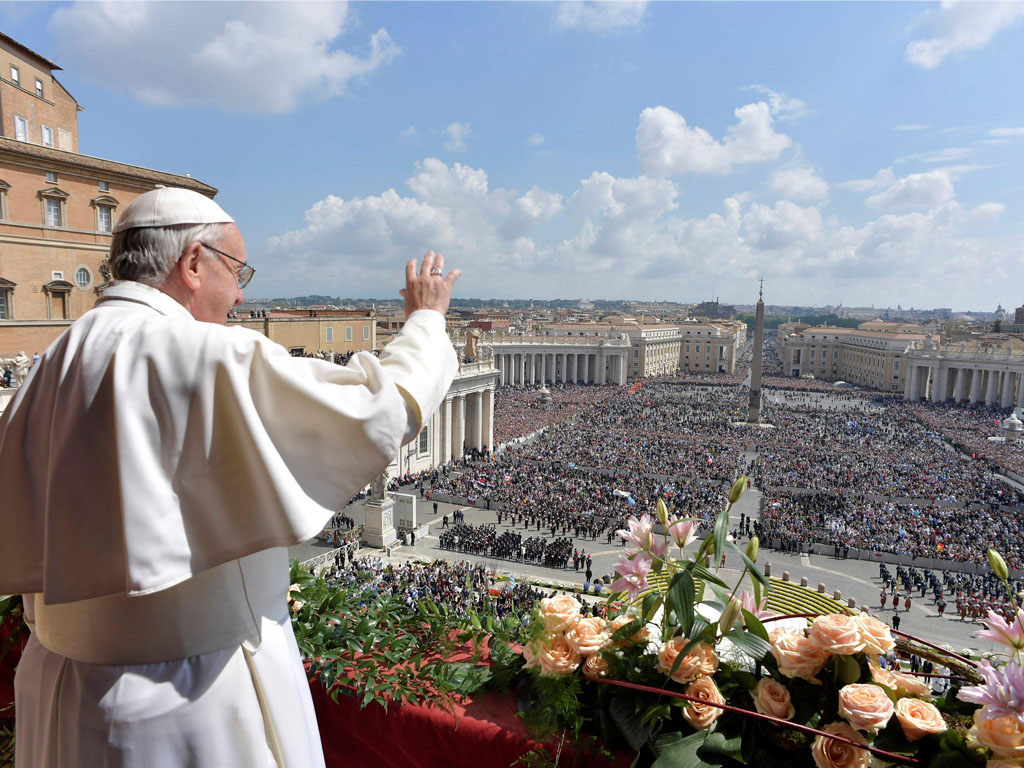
{"type": "Point", "coordinates": [219, 291]}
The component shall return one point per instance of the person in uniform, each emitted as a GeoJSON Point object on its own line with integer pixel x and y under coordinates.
{"type": "Point", "coordinates": [155, 466]}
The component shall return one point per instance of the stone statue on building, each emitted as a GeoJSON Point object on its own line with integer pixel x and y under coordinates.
{"type": "Point", "coordinates": [21, 362]}
{"type": "Point", "coordinates": [472, 337]}
{"type": "Point", "coordinates": [379, 486]}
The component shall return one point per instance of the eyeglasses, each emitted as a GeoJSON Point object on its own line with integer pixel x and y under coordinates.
{"type": "Point", "coordinates": [244, 275]}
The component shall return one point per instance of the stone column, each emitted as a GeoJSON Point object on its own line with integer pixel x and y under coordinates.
{"type": "Point", "coordinates": [976, 376]}
{"type": "Point", "coordinates": [499, 364]}
{"type": "Point", "coordinates": [522, 367]}
{"type": "Point", "coordinates": [446, 447]}
{"type": "Point", "coordinates": [992, 388]}
{"type": "Point", "coordinates": [562, 371]}
{"type": "Point", "coordinates": [910, 384]}
{"type": "Point", "coordinates": [543, 366]}
{"type": "Point", "coordinates": [959, 388]}
{"type": "Point", "coordinates": [574, 362]}
{"type": "Point", "coordinates": [459, 427]}
{"type": "Point", "coordinates": [1008, 386]}
{"type": "Point", "coordinates": [1020, 392]}
{"type": "Point", "coordinates": [477, 438]}
{"type": "Point", "coordinates": [939, 384]}
{"type": "Point", "coordinates": [531, 368]}
{"type": "Point", "coordinates": [488, 398]}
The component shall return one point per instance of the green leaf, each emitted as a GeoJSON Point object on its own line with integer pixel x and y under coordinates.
{"type": "Point", "coordinates": [754, 625]}
{"type": "Point", "coordinates": [728, 746]}
{"type": "Point", "coordinates": [848, 669]}
{"type": "Point", "coordinates": [680, 594]}
{"type": "Point", "coordinates": [707, 576]}
{"type": "Point", "coordinates": [684, 754]}
{"type": "Point", "coordinates": [624, 709]}
{"type": "Point", "coordinates": [721, 533]}
{"type": "Point", "coordinates": [750, 643]}
{"type": "Point", "coordinates": [755, 573]}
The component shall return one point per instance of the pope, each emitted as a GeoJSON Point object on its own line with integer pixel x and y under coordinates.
{"type": "Point", "coordinates": [155, 466]}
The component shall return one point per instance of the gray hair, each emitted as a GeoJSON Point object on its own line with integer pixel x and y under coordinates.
{"type": "Point", "coordinates": [148, 254]}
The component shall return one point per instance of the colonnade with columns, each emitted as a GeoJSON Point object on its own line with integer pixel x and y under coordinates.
{"type": "Point", "coordinates": [560, 367]}
{"type": "Point", "coordinates": [466, 422]}
{"type": "Point", "coordinates": [938, 382]}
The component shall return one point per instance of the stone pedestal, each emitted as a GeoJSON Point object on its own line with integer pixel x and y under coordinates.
{"type": "Point", "coordinates": [379, 528]}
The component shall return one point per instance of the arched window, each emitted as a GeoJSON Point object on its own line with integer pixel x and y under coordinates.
{"type": "Point", "coordinates": [105, 207]}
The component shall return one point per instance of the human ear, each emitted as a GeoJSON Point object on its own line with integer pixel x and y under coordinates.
{"type": "Point", "coordinates": [188, 266]}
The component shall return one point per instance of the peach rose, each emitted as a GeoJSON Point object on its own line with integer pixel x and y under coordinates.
{"type": "Point", "coordinates": [797, 655]}
{"type": "Point", "coordinates": [907, 685]}
{"type": "Point", "coordinates": [595, 666]}
{"type": "Point", "coordinates": [696, 662]}
{"type": "Point", "coordinates": [884, 677]}
{"type": "Point", "coordinates": [837, 634]}
{"type": "Point", "coordinates": [918, 718]}
{"type": "Point", "coordinates": [865, 706]}
{"type": "Point", "coordinates": [1003, 735]}
{"type": "Point", "coordinates": [1003, 764]}
{"type": "Point", "coordinates": [829, 753]}
{"type": "Point", "coordinates": [293, 602]}
{"type": "Point", "coordinates": [530, 654]}
{"type": "Point", "coordinates": [875, 634]}
{"type": "Point", "coordinates": [620, 621]}
{"type": "Point", "coordinates": [698, 714]}
{"type": "Point", "coordinates": [772, 698]}
{"type": "Point", "coordinates": [558, 659]}
{"type": "Point", "coordinates": [560, 613]}
{"type": "Point", "coordinates": [588, 636]}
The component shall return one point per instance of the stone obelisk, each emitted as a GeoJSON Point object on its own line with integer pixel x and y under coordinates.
{"type": "Point", "coordinates": [754, 410]}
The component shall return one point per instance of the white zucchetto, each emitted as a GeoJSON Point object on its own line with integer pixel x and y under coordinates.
{"type": "Point", "coordinates": [166, 206]}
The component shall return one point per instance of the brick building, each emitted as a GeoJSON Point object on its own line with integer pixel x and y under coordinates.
{"type": "Point", "coordinates": [57, 207]}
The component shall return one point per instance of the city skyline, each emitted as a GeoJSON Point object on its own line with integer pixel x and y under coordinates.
{"type": "Point", "coordinates": [862, 153]}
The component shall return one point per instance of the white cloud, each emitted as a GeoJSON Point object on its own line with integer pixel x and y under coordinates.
{"type": "Point", "coordinates": [457, 135]}
{"type": "Point", "coordinates": [783, 106]}
{"type": "Point", "coordinates": [624, 237]}
{"type": "Point", "coordinates": [603, 16]}
{"type": "Point", "coordinates": [799, 184]}
{"type": "Point", "coordinates": [918, 190]}
{"type": "Point", "coordinates": [409, 134]}
{"type": "Point", "coordinates": [909, 127]}
{"type": "Point", "coordinates": [960, 27]}
{"type": "Point", "coordinates": [945, 155]}
{"type": "Point", "coordinates": [784, 225]}
{"type": "Point", "coordinates": [246, 57]}
{"type": "Point", "coordinates": [880, 180]}
{"type": "Point", "coordinates": [999, 132]}
{"type": "Point", "coordinates": [667, 146]}
{"type": "Point", "coordinates": [987, 211]}
{"type": "Point", "coordinates": [536, 140]}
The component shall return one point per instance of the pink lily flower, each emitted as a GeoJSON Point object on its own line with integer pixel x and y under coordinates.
{"type": "Point", "coordinates": [757, 609]}
{"type": "Point", "coordinates": [684, 532]}
{"type": "Point", "coordinates": [632, 575]}
{"type": "Point", "coordinates": [1010, 635]}
{"type": "Point", "coordinates": [1002, 693]}
{"type": "Point", "coordinates": [640, 533]}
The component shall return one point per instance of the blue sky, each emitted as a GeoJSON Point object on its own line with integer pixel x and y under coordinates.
{"type": "Point", "coordinates": [863, 153]}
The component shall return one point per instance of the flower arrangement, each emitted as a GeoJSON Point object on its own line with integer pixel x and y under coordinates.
{"type": "Point", "coordinates": [692, 674]}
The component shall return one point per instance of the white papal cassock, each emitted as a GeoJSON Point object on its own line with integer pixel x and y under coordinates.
{"type": "Point", "coordinates": [153, 469]}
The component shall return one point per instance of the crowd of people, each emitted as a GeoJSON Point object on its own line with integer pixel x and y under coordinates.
{"type": "Point", "coordinates": [459, 585]}
{"type": "Point", "coordinates": [484, 540]}
{"type": "Point", "coordinates": [969, 428]}
{"type": "Point", "coordinates": [518, 410]}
